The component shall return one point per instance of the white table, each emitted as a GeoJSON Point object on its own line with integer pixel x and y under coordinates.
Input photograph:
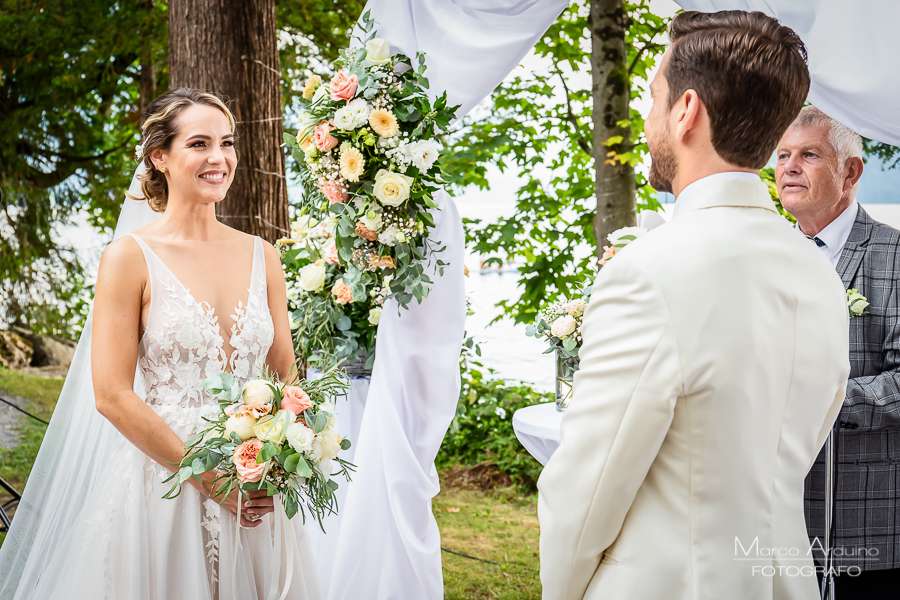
{"type": "Point", "coordinates": [538, 429]}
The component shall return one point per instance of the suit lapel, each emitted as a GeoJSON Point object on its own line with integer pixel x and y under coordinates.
{"type": "Point", "coordinates": [855, 248]}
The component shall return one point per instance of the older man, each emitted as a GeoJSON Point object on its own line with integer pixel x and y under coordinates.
{"type": "Point", "coordinates": [818, 171]}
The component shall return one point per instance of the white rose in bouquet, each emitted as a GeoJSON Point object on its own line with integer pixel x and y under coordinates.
{"type": "Point", "coordinates": [312, 278]}
{"type": "Point", "coordinates": [242, 425]}
{"type": "Point", "coordinates": [343, 119]}
{"type": "Point", "coordinates": [328, 407]}
{"type": "Point", "coordinates": [258, 394]}
{"type": "Point", "coordinates": [272, 428]}
{"type": "Point", "coordinates": [422, 154]}
{"type": "Point", "coordinates": [330, 443]}
{"type": "Point", "coordinates": [391, 189]}
{"type": "Point", "coordinates": [563, 326]}
{"type": "Point", "coordinates": [375, 316]}
{"type": "Point", "coordinates": [360, 110]}
{"type": "Point", "coordinates": [302, 225]}
{"type": "Point", "coordinates": [300, 437]}
{"type": "Point", "coordinates": [378, 52]}
{"type": "Point", "coordinates": [576, 307]}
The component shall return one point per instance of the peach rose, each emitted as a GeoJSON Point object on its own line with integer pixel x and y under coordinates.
{"type": "Point", "coordinates": [331, 253]}
{"type": "Point", "coordinates": [334, 191]}
{"type": "Point", "coordinates": [342, 292]}
{"type": "Point", "coordinates": [608, 253]}
{"type": "Point", "coordinates": [365, 233]}
{"type": "Point", "coordinates": [295, 399]}
{"type": "Point", "coordinates": [245, 461]}
{"type": "Point", "coordinates": [343, 86]}
{"type": "Point", "coordinates": [322, 137]}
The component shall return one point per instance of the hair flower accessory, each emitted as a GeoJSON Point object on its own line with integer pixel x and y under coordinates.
{"type": "Point", "coordinates": [139, 152]}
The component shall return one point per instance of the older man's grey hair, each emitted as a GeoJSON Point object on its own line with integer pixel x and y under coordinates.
{"type": "Point", "coordinates": [846, 142]}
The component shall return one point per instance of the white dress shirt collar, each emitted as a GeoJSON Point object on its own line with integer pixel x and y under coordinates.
{"type": "Point", "coordinates": [836, 233]}
{"type": "Point", "coordinates": [692, 188]}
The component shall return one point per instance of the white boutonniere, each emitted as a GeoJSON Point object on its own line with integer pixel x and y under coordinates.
{"type": "Point", "coordinates": [618, 239]}
{"type": "Point", "coordinates": [856, 303]}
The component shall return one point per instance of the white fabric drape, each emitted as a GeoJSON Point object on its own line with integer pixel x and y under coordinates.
{"type": "Point", "coordinates": [389, 543]}
{"type": "Point", "coordinates": [349, 413]}
{"type": "Point", "coordinates": [851, 50]}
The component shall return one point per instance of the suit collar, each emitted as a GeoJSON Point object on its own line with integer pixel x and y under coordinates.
{"type": "Point", "coordinates": [855, 248]}
{"type": "Point", "coordinates": [734, 192]}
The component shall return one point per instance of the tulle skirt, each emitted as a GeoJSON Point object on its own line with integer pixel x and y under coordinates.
{"type": "Point", "coordinates": [130, 543]}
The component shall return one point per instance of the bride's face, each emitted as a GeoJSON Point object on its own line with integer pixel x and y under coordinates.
{"type": "Point", "coordinates": [201, 161]}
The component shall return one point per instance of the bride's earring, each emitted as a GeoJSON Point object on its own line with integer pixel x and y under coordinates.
{"type": "Point", "coordinates": [162, 168]}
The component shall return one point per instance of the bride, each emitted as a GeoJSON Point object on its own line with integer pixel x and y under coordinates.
{"type": "Point", "coordinates": [176, 301]}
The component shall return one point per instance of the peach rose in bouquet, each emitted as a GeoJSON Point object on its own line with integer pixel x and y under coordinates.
{"type": "Point", "coordinates": [323, 138]}
{"type": "Point", "coordinates": [245, 461]}
{"type": "Point", "coordinates": [295, 399]}
{"type": "Point", "coordinates": [343, 86]}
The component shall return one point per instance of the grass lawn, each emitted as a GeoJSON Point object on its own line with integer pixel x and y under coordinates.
{"type": "Point", "coordinates": [498, 525]}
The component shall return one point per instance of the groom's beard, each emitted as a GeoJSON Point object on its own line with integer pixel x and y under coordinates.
{"type": "Point", "coordinates": [664, 165]}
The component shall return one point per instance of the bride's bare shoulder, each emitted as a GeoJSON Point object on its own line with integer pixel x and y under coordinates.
{"type": "Point", "coordinates": [123, 258]}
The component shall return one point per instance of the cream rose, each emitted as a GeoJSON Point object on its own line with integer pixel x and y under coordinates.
{"type": "Point", "coordinates": [576, 307]}
{"type": "Point", "coordinates": [312, 278]}
{"type": "Point", "coordinates": [242, 425]}
{"type": "Point", "coordinates": [375, 316]}
{"type": "Point", "coordinates": [258, 394]}
{"type": "Point", "coordinates": [330, 443]}
{"type": "Point", "coordinates": [378, 52]}
{"type": "Point", "coordinates": [273, 427]}
{"type": "Point", "coordinates": [391, 189]}
{"type": "Point", "coordinates": [563, 326]}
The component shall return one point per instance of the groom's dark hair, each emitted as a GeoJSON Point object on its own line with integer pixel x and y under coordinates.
{"type": "Point", "coordinates": [749, 70]}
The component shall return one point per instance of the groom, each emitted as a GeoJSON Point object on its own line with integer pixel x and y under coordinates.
{"type": "Point", "coordinates": [715, 352]}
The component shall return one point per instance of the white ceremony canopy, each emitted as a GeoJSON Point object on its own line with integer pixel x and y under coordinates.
{"type": "Point", "coordinates": [852, 56]}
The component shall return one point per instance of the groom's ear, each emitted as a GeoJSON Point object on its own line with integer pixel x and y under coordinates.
{"type": "Point", "coordinates": [688, 115]}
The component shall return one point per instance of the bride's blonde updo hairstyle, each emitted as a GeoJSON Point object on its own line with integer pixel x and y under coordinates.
{"type": "Point", "coordinates": [159, 128]}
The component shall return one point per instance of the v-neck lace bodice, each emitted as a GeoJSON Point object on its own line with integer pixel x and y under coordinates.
{"type": "Point", "coordinates": [182, 344]}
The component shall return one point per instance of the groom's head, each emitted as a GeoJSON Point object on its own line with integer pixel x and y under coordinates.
{"type": "Point", "coordinates": [728, 87]}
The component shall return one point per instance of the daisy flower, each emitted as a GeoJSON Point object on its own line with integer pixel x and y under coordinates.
{"type": "Point", "coordinates": [352, 164]}
{"type": "Point", "coordinates": [384, 123]}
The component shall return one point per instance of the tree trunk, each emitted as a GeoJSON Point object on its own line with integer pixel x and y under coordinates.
{"type": "Point", "coordinates": [611, 90]}
{"type": "Point", "coordinates": [229, 47]}
{"type": "Point", "coordinates": [147, 83]}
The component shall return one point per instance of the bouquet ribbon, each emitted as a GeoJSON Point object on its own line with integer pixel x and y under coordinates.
{"type": "Point", "coordinates": [284, 530]}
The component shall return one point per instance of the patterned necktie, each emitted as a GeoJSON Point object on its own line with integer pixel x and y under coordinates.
{"type": "Point", "coordinates": [818, 242]}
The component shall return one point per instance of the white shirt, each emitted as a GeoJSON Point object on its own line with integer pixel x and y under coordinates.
{"type": "Point", "coordinates": [696, 185]}
{"type": "Point", "coordinates": [836, 233]}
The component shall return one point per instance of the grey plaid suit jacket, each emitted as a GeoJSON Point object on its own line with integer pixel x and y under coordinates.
{"type": "Point", "coordinates": [867, 499]}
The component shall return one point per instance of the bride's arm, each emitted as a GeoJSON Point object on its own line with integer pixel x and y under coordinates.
{"type": "Point", "coordinates": [114, 351]}
{"type": "Point", "coordinates": [281, 357]}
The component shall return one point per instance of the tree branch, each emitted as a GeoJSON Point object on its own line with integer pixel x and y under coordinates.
{"type": "Point", "coordinates": [648, 46]}
{"type": "Point", "coordinates": [571, 116]}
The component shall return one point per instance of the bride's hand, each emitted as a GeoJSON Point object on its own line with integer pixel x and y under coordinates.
{"type": "Point", "coordinates": [252, 510]}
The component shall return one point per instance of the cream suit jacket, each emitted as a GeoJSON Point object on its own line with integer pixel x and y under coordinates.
{"type": "Point", "coordinates": [714, 362]}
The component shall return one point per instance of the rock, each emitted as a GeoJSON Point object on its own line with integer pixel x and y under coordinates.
{"type": "Point", "coordinates": [15, 350]}
{"type": "Point", "coordinates": [49, 350]}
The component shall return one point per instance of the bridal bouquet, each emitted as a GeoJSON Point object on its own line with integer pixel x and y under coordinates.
{"type": "Point", "coordinates": [368, 161]}
{"type": "Point", "coordinates": [271, 436]}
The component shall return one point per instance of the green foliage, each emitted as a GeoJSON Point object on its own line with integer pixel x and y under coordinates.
{"type": "Point", "coordinates": [539, 125]}
{"type": "Point", "coordinates": [69, 102]}
{"type": "Point", "coordinates": [889, 155]}
{"type": "Point", "coordinates": [482, 428]}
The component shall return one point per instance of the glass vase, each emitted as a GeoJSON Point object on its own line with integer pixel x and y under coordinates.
{"type": "Point", "coordinates": [565, 372]}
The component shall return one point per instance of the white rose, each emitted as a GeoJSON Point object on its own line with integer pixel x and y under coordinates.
{"type": "Point", "coordinates": [307, 125]}
{"type": "Point", "coordinates": [242, 425]}
{"type": "Point", "coordinates": [328, 407]}
{"type": "Point", "coordinates": [258, 393]}
{"type": "Point", "coordinates": [373, 220]}
{"type": "Point", "coordinates": [563, 326]}
{"type": "Point", "coordinates": [323, 91]}
{"type": "Point", "coordinates": [856, 302]}
{"type": "Point", "coordinates": [302, 225]}
{"type": "Point", "coordinates": [378, 52]}
{"type": "Point", "coordinates": [422, 154]}
{"type": "Point", "coordinates": [360, 110]}
{"type": "Point", "coordinates": [375, 316]}
{"type": "Point", "coordinates": [343, 119]}
{"type": "Point", "coordinates": [615, 238]}
{"type": "Point", "coordinates": [312, 278]}
{"type": "Point", "coordinates": [391, 189]}
{"type": "Point", "coordinates": [576, 307]}
{"type": "Point", "coordinates": [330, 443]}
{"type": "Point", "coordinates": [300, 437]}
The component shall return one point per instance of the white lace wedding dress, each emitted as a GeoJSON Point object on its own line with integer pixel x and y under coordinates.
{"type": "Point", "coordinates": [133, 544]}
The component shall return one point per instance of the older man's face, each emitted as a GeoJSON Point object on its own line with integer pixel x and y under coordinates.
{"type": "Point", "coordinates": [808, 176]}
